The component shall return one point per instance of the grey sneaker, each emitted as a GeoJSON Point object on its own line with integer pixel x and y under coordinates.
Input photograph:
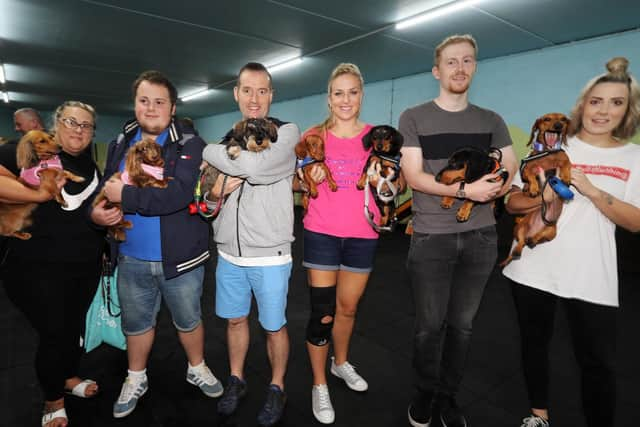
{"type": "Point", "coordinates": [131, 391]}
{"type": "Point", "coordinates": [348, 373]}
{"type": "Point", "coordinates": [321, 404]}
{"type": "Point", "coordinates": [203, 378]}
{"type": "Point", "coordinates": [534, 421]}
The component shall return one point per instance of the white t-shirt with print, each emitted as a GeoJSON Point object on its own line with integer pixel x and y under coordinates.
{"type": "Point", "coordinates": [581, 261]}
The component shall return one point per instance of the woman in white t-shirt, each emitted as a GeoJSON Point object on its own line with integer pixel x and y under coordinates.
{"type": "Point", "coordinates": [579, 266]}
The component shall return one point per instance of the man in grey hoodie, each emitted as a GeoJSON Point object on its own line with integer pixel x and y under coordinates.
{"type": "Point", "coordinates": [254, 231]}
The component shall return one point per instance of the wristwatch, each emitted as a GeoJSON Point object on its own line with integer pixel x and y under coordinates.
{"type": "Point", "coordinates": [460, 194]}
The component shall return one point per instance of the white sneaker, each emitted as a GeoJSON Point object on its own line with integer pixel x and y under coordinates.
{"type": "Point", "coordinates": [321, 404]}
{"type": "Point", "coordinates": [204, 378]}
{"type": "Point", "coordinates": [534, 421]}
{"type": "Point", "coordinates": [348, 373]}
{"type": "Point", "coordinates": [132, 390]}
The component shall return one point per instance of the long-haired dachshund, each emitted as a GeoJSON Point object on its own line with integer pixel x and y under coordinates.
{"type": "Point", "coordinates": [37, 157]}
{"type": "Point", "coordinates": [468, 164]}
{"type": "Point", "coordinates": [385, 143]}
{"type": "Point", "coordinates": [548, 134]}
{"type": "Point", "coordinates": [310, 151]}
{"type": "Point", "coordinates": [143, 167]}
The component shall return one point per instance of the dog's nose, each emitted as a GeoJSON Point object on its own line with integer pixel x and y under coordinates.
{"type": "Point", "coordinates": [558, 126]}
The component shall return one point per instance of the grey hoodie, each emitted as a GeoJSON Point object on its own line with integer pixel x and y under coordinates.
{"type": "Point", "coordinates": [256, 220]}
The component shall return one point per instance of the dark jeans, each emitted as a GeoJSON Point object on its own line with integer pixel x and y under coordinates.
{"type": "Point", "coordinates": [593, 333]}
{"type": "Point", "coordinates": [448, 275]}
{"type": "Point", "coordinates": [55, 302]}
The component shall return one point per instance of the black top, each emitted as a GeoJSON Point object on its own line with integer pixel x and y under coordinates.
{"type": "Point", "coordinates": [64, 236]}
{"type": "Point", "coordinates": [8, 156]}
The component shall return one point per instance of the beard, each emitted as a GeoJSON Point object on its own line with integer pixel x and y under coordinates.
{"type": "Point", "coordinates": [457, 88]}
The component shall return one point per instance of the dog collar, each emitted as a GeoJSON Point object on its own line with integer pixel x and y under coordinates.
{"type": "Point", "coordinates": [537, 146]}
{"type": "Point", "coordinates": [300, 163]}
{"type": "Point", "coordinates": [32, 175]}
{"type": "Point", "coordinates": [156, 172]}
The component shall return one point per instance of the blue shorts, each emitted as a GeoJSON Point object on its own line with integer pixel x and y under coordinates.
{"type": "Point", "coordinates": [141, 285]}
{"type": "Point", "coordinates": [269, 284]}
{"type": "Point", "coordinates": [330, 253]}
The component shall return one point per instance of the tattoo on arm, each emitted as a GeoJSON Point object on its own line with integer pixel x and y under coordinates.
{"type": "Point", "coordinates": [608, 198]}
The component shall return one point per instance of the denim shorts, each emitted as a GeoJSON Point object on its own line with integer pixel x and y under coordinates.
{"type": "Point", "coordinates": [269, 285]}
{"type": "Point", "coordinates": [141, 286]}
{"type": "Point", "coordinates": [330, 253]}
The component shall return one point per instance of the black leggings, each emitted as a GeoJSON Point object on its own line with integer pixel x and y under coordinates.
{"type": "Point", "coordinates": [593, 333]}
{"type": "Point", "coordinates": [55, 303]}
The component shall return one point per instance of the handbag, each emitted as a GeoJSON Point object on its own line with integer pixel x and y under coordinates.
{"type": "Point", "coordinates": [103, 323]}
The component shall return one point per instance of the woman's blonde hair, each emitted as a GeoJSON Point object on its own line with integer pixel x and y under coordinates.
{"type": "Point", "coordinates": [340, 70]}
{"type": "Point", "coordinates": [66, 104]}
{"type": "Point", "coordinates": [616, 73]}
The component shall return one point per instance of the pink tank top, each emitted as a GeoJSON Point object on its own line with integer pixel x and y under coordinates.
{"type": "Point", "coordinates": [341, 213]}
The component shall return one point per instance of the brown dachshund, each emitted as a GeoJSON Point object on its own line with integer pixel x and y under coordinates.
{"type": "Point", "coordinates": [310, 151]}
{"type": "Point", "coordinates": [548, 134]}
{"type": "Point", "coordinates": [37, 156]}
{"type": "Point", "coordinates": [468, 164]}
{"type": "Point", "coordinates": [143, 167]}
{"type": "Point", "coordinates": [385, 143]}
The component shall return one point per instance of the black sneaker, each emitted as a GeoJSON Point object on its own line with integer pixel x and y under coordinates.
{"type": "Point", "coordinates": [235, 390]}
{"type": "Point", "coordinates": [273, 407]}
{"type": "Point", "coordinates": [419, 411]}
{"type": "Point", "coordinates": [450, 414]}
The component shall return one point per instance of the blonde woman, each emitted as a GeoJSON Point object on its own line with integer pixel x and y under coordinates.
{"type": "Point", "coordinates": [606, 175]}
{"type": "Point", "coordinates": [53, 276]}
{"type": "Point", "coordinates": [339, 243]}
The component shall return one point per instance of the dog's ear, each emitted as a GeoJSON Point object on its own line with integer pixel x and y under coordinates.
{"type": "Point", "coordinates": [25, 153]}
{"type": "Point", "coordinates": [563, 137]}
{"type": "Point", "coordinates": [397, 137]}
{"type": "Point", "coordinates": [272, 130]}
{"type": "Point", "coordinates": [301, 149]}
{"type": "Point", "coordinates": [367, 140]}
{"type": "Point", "coordinates": [534, 130]}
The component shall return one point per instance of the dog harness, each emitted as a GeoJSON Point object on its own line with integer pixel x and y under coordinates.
{"type": "Point", "coordinates": [155, 171]}
{"type": "Point", "coordinates": [300, 163]}
{"type": "Point", "coordinates": [32, 175]}
{"type": "Point", "coordinates": [536, 156]}
{"type": "Point", "coordinates": [385, 197]}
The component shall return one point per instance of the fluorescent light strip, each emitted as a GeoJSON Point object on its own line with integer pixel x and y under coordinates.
{"type": "Point", "coordinates": [196, 95]}
{"type": "Point", "coordinates": [285, 64]}
{"type": "Point", "coordinates": [3, 79]}
{"type": "Point", "coordinates": [5, 96]}
{"type": "Point", "coordinates": [436, 13]}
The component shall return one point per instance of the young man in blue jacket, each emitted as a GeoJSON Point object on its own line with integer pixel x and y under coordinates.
{"type": "Point", "coordinates": [164, 251]}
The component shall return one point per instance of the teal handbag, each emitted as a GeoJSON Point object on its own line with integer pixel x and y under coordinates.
{"type": "Point", "coordinates": [103, 324]}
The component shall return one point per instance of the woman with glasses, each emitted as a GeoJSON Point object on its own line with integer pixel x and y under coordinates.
{"type": "Point", "coordinates": [52, 277]}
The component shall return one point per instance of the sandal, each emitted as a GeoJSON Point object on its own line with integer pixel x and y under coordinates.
{"type": "Point", "coordinates": [80, 389]}
{"type": "Point", "coordinates": [48, 417]}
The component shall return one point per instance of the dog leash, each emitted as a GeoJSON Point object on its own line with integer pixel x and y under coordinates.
{"type": "Point", "coordinates": [367, 196]}
{"type": "Point", "coordinates": [200, 206]}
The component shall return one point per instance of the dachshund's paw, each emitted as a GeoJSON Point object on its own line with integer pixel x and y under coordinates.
{"type": "Point", "coordinates": [313, 192]}
{"type": "Point", "coordinates": [333, 186]}
{"type": "Point", "coordinates": [233, 152]}
{"type": "Point", "coordinates": [462, 218]}
{"type": "Point", "coordinates": [22, 235]}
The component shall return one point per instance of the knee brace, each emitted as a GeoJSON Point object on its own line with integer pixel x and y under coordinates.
{"type": "Point", "coordinates": [323, 304]}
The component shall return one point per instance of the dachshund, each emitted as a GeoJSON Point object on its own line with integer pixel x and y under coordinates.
{"type": "Point", "coordinates": [253, 135]}
{"type": "Point", "coordinates": [143, 167]}
{"type": "Point", "coordinates": [37, 156]}
{"type": "Point", "coordinates": [468, 164]}
{"type": "Point", "coordinates": [385, 143]}
{"type": "Point", "coordinates": [548, 134]}
{"type": "Point", "coordinates": [310, 151]}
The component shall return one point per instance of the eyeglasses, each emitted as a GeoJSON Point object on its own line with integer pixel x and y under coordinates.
{"type": "Point", "coordinates": [71, 123]}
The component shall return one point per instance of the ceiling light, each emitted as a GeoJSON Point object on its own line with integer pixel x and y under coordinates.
{"type": "Point", "coordinates": [5, 96]}
{"type": "Point", "coordinates": [285, 64]}
{"type": "Point", "coordinates": [436, 13]}
{"type": "Point", "coordinates": [196, 95]}
{"type": "Point", "coordinates": [2, 76]}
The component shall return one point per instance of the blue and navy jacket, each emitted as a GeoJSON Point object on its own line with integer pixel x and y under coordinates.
{"type": "Point", "coordinates": [184, 237]}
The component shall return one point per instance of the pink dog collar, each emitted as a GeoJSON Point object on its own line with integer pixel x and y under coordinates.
{"type": "Point", "coordinates": [32, 175]}
{"type": "Point", "coordinates": [155, 171]}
